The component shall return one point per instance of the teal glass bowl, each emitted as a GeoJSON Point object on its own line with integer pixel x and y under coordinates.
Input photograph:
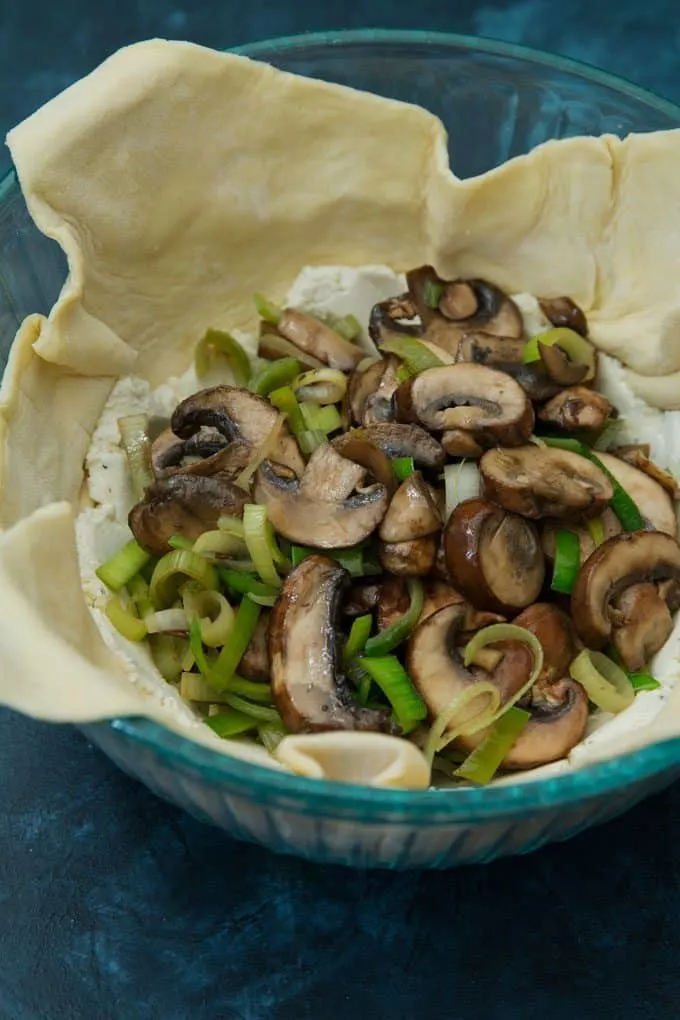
{"type": "Point", "coordinates": [497, 101]}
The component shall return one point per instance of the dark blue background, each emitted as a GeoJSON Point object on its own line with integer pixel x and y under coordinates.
{"type": "Point", "coordinates": [114, 906]}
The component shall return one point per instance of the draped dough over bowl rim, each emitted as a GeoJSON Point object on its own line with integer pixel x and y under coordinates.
{"type": "Point", "coordinates": [178, 181]}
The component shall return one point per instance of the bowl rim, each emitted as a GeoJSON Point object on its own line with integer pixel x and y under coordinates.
{"type": "Point", "coordinates": [350, 802]}
{"type": "Point", "coordinates": [262, 48]}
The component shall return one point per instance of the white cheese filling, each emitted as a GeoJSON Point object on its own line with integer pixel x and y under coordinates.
{"type": "Point", "coordinates": [340, 290]}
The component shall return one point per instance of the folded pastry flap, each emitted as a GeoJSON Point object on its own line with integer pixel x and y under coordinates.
{"type": "Point", "coordinates": [181, 180]}
{"type": "Point", "coordinates": [56, 665]}
{"type": "Point", "coordinates": [47, 415]}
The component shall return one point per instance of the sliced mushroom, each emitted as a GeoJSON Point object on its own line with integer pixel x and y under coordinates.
{"type": "Point", "coordinates": [205, 453]}
{"type": "Point", "coordinates": [559, 716]}
{"type": "Point", "coordinates": [543, 481]}
{"type": "Point", "coordinates": [399, 440]}
{"type": "Point", "coordinates": [309, 690]}
{"type": "Point", "coordinates": [357, 447]}
{"type": "Point", "coordinates": [320, 509]}
{"type": "Point", "coordinates": [638, 457]}
{"type": "Point", "coordinates": [315, 337]}
{"type": "Point", "coordinates": [560, 368]}
{"type": "Point", "coordinates": [254, 664]}
{"type": "Point", "coordinates": [412, 558]}
{"type": "Point", "coordinates": [608, 520]}
{"type": "Point", "coordinates": [436, 668]}
{"type": "Point", "coordinates": [240, 416]}
{"type": "Point", "coordinates": [507, 355]}
{"type": "Point", "coordinates": [458, 443]}
{"type": "Point", "coordinates": [272, 345]}
{"type": "Point", "coordinates": [469, 304]}
{"type": "Point", "coordinates": [650, 497]}
{"type": "Point", "coordinates": [619, 563]}
{"type": "Point", "coordinates": [395, 317]}
{"type": "Point", "coordinates": [371, 389]}
{"type": "Point", "coordinates": [643, 624]}
{"type": "Point", "coordinates": [393, 601]}
{"type": "Point", "coordinates": [183, 504]}
{"type": "Point", "coordinates": [555, 631]}
{"type": "Point", "coordinates": [363, 598]}
{"type": "Point", "coordinates": [494, 558]}
{"type": "Point", "coordinates": [577, 407]}
{"type": "Point", "coordinates": [413, 512]}
{"type": "Point", "coordinates": [563, 312]}
{"type": "Point", "coordinates": [488, 404]}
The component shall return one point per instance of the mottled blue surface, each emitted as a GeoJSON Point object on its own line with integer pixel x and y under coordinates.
{"type": "Point", "coordinates": [115, 906]}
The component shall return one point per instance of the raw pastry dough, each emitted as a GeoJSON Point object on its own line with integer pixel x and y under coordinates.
{"type": "Point", "coordinates": [179, 180]}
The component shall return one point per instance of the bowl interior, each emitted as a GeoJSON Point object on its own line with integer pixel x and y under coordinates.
{"type": "Point", "coordinates": [497, 101]}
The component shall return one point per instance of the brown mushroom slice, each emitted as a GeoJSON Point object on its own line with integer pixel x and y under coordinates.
{"type": "Point", "coordinates": [650, 497]}
{"type": "Point", "coordinates": [254, 664]}
{"type": "Point", "coordinates": [240, 416]}
{"type": "Point", "coordinates": [619, 563]}
{"type": "Point", "coordinates": [458, 443]}
{"type": "Point", "coordinates": [434, 663]}
{"type": "Point", "coordinates": [559, 716]}
{"type": "Point", "coordinates": [308, 688]}
{"type": "Point", "coordinates": [507, 355]}
{"type": "Point", "coordinates": [205, 453]}
{"type": "Point", "coordinates": [560, 367]}
{"type": "Point", "coordinates": [399, 440]}
{"type": "Point", "coordinates": [272, 346]}
{"type": "Point", "coordinates": [577, 407]}
{"type": "Point", "coordinates": [363, 598]}
{"type": "Point", "coordinates": [327, 516]}
{"type": "Point", "coordinates": [413, 558]}
{"type": "Point", "coordinates": [357, 447]}
{"type": "Point", "coordinates": [329, 476]}
{"type": "Point", "coordinates": [493, 557]}
{"type": "Point", "coordinates": [638, 457]}
{"type": "Point", "coordinates": [370, 391]}
{"type": "Point", "coordinates": [543, 481]}
{"type": "Point", "coordinates": [488, 404]}
{"type": "Point", "coordinates": [643, 624]}
{"type": "Point", "coordinates": [183, 504]}
{"type": "Point", "coordinates": [315, 337]}
{"type": "Point", "coordinates": [413, 512]}
{"type": "Point", "coordinates": [563, 312]}
{"type": "Point", "coordinates": [608, 520]}
{"type": "Point", "coordinates": [395, 317]}
{"type": "Point", "coordinates": [488, 308]}
{"type": "Point", "coordinates": [555, 632]}
{"type": "Point", "coordinates": [393, 601]}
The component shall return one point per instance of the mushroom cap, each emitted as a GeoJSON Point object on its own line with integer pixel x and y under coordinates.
{"type": "Point", "coordinates": [315, 337]}
{"type": "Point", "coordinates": [576, 407]}
{"type": "Point", "coordinates": [321, 509]}
{"type": "Point", "coordinates": [638, 457]}
{"type": "Point", "coordinates": [507, 355]}
{"type": "Point", "coordinates": [559, 716]}
{"type": "Point", "coordinates": [183, 504]}
{"type": "Point", "coordinates": [643, 624]}
{"type": "Point", "coordinates": [480, 400]}
{"type": "Point", "coordinates": [396, 439]}
{"type": "Point", "coordinates": [494, 557]}
{"type": "Point", "coordinates": [559, 366]}
{"type": "Point", "coordinates": [309, 691]}
{"type": "Point", "coordinates": [620, 562]}
{"type": "Point", "coordinates": [563, 312]}
{"type": "Point", "coordinates": [436, 668]}
{"type": "Point", "coordinates": [240, 416]}
{"type": "Point", "coordinates": [370, 391]}
{"type": "Point", "coordinates": [555, 632]}
{"type": "Point", "coordinates": [357, 447]}
{"type": "Point", "coordinates": [651, 498]}
{"type": "Point", "coordinates": [543, 481]}
{"type": "Point", "coordinates": [413, 558]}
{"type": "Point", "coordinates": [207, 452]}
{"type": "Point", "coordinates": [413, 512]}
{"type": "Point", "coordinates": [458, 443]}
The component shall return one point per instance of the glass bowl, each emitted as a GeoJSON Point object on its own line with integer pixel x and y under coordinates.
{"type": "Point", "coordinates": [497, 101]}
